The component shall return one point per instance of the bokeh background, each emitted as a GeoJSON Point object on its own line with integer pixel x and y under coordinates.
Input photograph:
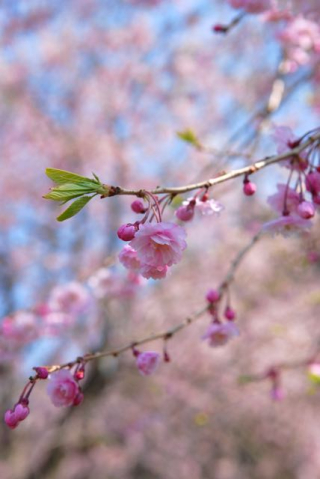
{"type": "Point", "coordinates": [104, 86]}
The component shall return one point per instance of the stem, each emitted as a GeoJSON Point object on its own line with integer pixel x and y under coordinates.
{"type": "Point", "coordinates": [170, 332]}
{"type": "Point", "coordinates": [247, 170]}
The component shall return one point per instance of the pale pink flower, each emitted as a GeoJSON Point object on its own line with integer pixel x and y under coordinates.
{"type": "Point", "coordinates": [287, 225]}
{"type": "Point", "coordinates": [55, 321]}
{"type": "Point", "coordinates": [314, 371]}
{"type": "Point", "coordinates": [72, 298]}
{"type": "Point", "coordinates": [301, 38]}
{"type": "Point", "coordinates": [128, 258]}
{"type": "Point", "coordinates": [101, 282]}
{"type": "Point", "coordinates": [154, 272]}
{"type": "Point", "coordinates": [148, 362]}
{"type": "Point", "coordinates": [251, 6]}
{"type": "Point", "coordinates": [159, 244]}
{"type": "Point", "coordinates": [62, 388]}
{"type": "Point", "coordinates": [206, 208]}
{"type": "Point", "coordinates": [219, 334]}
{"type": "Point", "coordinates": [286, 198]}
{"type": "Point", "coordinates": [285, 140]}
{"type": "Point", "coordinates": [21, 328]}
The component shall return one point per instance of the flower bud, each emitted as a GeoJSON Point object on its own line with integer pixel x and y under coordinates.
{"type": "Point", "coordinates": [249, 188]}
{"type": "Point", "coordinates": [185, 213]}
{"type": "Point", "coordinates": [306, 210]}
{"type": "Point", "coordinates": [42, 373]}
{"type": "Point", "coordinates": [212, 296]}
{"type": "Point", "coordinates": [137, 206]}
{"type": "Point", "coordinates": [229, 313]}
{"type": "Point", "coordinates": [127, 232]}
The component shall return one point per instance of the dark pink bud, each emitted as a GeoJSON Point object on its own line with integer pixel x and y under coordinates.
{"type": "Point", "coordinates": [249, 188]}
{"type": "Point", "coordinates": [10, 419]}
{"type": "Point", "coordinates": [185, 213]}
{"type": "Point", "coordinates": [42, 373]}
{"type": "Point", "coordinates": [138, 207]}
{"type": "Point", "coordinates": [78, 375]}
{"type": "Point", "coordinates": [313, 182]}
{"type": "Point", "coordinates": [306, 210]}
{"type": "Point", "coordinates": [212, 296]}
{"type": "Point", "coordinates": [127, 232]}
{"type": "Point", "coordinates": [78, 399]}
{"type": "Point", "coordinates": [218, 28]}
{"type": "Point", "coordinates": [21, 412]}
{"type": "Point", "coordinates": [229, 313]}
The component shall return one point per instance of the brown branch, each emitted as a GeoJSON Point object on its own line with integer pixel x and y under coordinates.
{"type": "Point", "coordinates": [170, 332]}
{"type": "Point", "coordinates": [247, 170]}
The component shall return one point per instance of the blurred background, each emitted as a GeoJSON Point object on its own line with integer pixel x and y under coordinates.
{"type": "Point", "coordinates": [104, 86]}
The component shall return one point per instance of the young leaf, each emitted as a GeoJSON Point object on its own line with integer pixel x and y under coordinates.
{"type": "Point", "coordinates": [61, 177]}
{"type": "Point", "coordinates": [74, 208]}
{"type": "Point", "coordinates": [190, 137]}
{"type": "Point", "coordinates": [68, 191]}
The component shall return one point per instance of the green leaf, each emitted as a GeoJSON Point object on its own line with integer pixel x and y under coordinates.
{"type": "Point", "coordinates": [74, 208]}
{"type": "Point", "coordinates": [61, 177]}
{"type": "Point", "coordinates": [190, 137]}
{"type": "Point", "coordinates": [69, 191]}
{"type": "Point", "coordinates": [313, 378]}
{"type": "Point", "coordinates": [244, 379]}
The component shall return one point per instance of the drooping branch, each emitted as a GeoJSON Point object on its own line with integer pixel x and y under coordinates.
{"type": "Point", "coordinates": [247, 170]}
{"type": "Point", "coordinates": [169, 333]}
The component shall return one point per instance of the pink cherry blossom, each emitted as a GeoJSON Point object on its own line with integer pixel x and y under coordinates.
{"type": "Point", "coordinates": [286, 199]}
{"type": "Point", "coordinates": [71, 298]}
{"type": "Point", "coordinates": [101, 282]}
{"type": "Point", "coordinates": [219, 334]}
{"type": "Point", "coordinates": [128, 258]}
{"type": "Point", "coordinates": [21, 328]}
{"type": "Point", "coordinates": [62, 388]}
{"type": "Point", "coordinates": [159, 244]}
{"type": "Point", "coordinates": [301, 39]}
{"type": "Point", "coordinates": [287, 225]}
{"type": "Point", "coordinates": [208, 207]}
{"type": "Point", "coordinates": [154, 272]}
{"type": "Point", "coordinates": [285, 139]}
{"type": "Point", "coordinates": [251, 6]}
{"type": "Point", "coordinates": [148, 362]}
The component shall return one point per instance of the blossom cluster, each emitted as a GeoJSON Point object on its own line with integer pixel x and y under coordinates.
{"type": "Point", "coordinates": [296, 204]}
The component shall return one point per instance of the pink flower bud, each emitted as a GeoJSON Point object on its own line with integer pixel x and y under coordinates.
{"type": "Point", "coordinates": [138, 207]}
{"type": "Point", "coordinates": [42, 373]}
{"type": "Point", "coordinates": [212, 296]}
{"type": "Point", "coordinates": [249, 188]}
{"type": "Point", "coordinates": [21, 411]}
{"type": "Point", "coordinates": [148, 362]}
{"type": "Point", "coordinates": [78, 399]}
{"type": "Point", "coordinates": [219, 28]}
{"type": "Point", "coordinates": [229, 313]}
{"type": "Point", "coordinates": [127, 232]}
{"type": "Point", "coordinates": [10, 419]}
{"type": "Point", "coordinates": [78, 375]}
{"type": "Point", "coordinates": [185, 213]}
{"type": "Point", "coordinates": [306, 210]}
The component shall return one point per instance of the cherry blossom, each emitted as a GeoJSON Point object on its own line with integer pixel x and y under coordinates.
{"type": "Point", "coordinates": [148, 362]}
{"type": "Point", "coordinates": [218, 334]}
{"type": "Point", "coordinates": [159, 244]}
{"type": "Point", "coordinates": [72, 298]}
{"type": "Point", "coordinates": [62, 388]}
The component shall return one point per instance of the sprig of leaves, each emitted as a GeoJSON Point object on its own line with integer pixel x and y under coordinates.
{"type": "Point", "coordinates": [71, 186]}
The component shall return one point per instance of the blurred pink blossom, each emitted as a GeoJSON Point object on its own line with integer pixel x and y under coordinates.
{"type": "Point", "coordinates": [251, 6]}
{"type": "Point", "coordinates": [148, 362]}
{"type": "Point", "coordinates": [287, 225]}
{"type": "Point", "coordinates": [72, 298]}
{"type": "Point", "coordinates": [62, 388]}
{"type": "Point", "coordinates": [128, 258]}
{"type": "Point", "coordinates": [219, 334]}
